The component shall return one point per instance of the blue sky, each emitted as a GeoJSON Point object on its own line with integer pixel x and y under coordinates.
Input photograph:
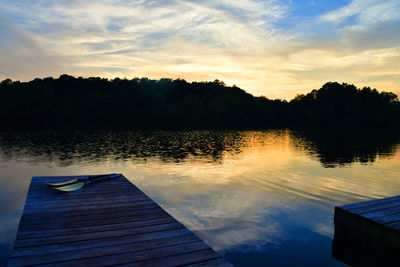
{"type": "Point", "coordinates": [272, 48]}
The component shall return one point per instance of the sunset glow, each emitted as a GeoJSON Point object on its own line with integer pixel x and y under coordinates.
{"type": "Point", "coordinates": [273, 48]}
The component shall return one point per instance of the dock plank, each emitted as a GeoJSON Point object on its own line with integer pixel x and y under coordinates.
{"type": "Point", "coordinates": [107, 223]}
{"type": "Point", "coordinates": [93, 228]}
{"type": "Point", "coordinates": [48, 240]}
{"type": "Point", "coordinates": [370, 202]}
{"type": "Point", "coordinates": [139, 256]}
{"type": "Point", "coordinates": [54, 219]}
{"type": "Point", "coordinates": [177, 260]}
{"type": "Point", "coordinates": [375, 207]}
{"type": "Point", "coordinates": [386, 211]}
{"type": "Point", "coordinates": [106, 250]}
{"type": "Point", "coordinates": [100, 242]}
{"type": "Point", "coordinates": [216, 263]}
{"type": "Point", "coordinates": [154, 215]}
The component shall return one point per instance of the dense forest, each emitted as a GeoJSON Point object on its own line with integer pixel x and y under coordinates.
{"type": "Point", "coordinates": [69, 102]}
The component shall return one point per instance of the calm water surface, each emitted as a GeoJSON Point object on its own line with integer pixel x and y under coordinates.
{"type": "Point", "coordinates": [258, 197]}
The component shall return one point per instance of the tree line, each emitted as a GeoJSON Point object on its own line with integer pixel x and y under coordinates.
{"type": "Point", "coordinates": [142, 103]}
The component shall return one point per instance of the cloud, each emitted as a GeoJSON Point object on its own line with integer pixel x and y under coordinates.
{"type": "Point", "coordinates": [378, 35]}
{"type": "Point", "coordinates": [20, 53]}
{"type": "Point", "coordinates": [240, 42]}
{"type": "Point", "coordinates": [367, 11]}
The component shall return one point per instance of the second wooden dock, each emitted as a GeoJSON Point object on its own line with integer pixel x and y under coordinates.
{"type": "Point", "coordinates": [368, 233]}
{"type": "Point", "coordinates": [106, 223]}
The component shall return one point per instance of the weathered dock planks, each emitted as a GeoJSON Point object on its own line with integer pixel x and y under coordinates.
{"type": "Point", "coordinates": [368, 233]}
{"type": "Point", "coordinates": [106, 223]}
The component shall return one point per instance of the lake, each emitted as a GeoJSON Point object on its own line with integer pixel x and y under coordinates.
{"type": "Point", "coordinates": [257, 197]}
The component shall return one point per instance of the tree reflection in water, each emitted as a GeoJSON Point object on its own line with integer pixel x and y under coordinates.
{"type": "Point", "coordinates": [341, 147]}
{"type": "Point", "coordinates": [332, 148]}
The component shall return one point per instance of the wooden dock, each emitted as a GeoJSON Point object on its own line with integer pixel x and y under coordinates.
{"type": "Point", "coordinates": [368, 233]}
{"type": "Point", "coordinates": [106, 223]}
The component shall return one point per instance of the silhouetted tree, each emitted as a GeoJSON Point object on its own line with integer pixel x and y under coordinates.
{"type": "Point", "coordinates": [344, 104]}
{"type": "Point", "coordinates": [69, 102]}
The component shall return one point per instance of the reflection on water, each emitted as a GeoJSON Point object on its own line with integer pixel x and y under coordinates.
{"type": "Point", "coordinates": [333, 149]}
{"type": "Point", "coordinates": [342, 147]}
{"type": "Point", "coordinates": [69, 147]}
{"type": "Point", "coordinates": [259, 197]}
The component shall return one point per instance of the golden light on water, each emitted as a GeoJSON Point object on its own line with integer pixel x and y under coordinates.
{"type": "Point", "coordinates": [268, 162]}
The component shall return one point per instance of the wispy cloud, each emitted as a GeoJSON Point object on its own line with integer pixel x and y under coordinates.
{"type": "Point", "coordinates": [240, 42]}
{"type": "Point", "coordinates": [21, 54]}
{"type": "Point", "coordinates": [367, 11]}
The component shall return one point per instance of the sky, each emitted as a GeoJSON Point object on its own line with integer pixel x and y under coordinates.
{"type": "Point", "coordinates": [277, 49]}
